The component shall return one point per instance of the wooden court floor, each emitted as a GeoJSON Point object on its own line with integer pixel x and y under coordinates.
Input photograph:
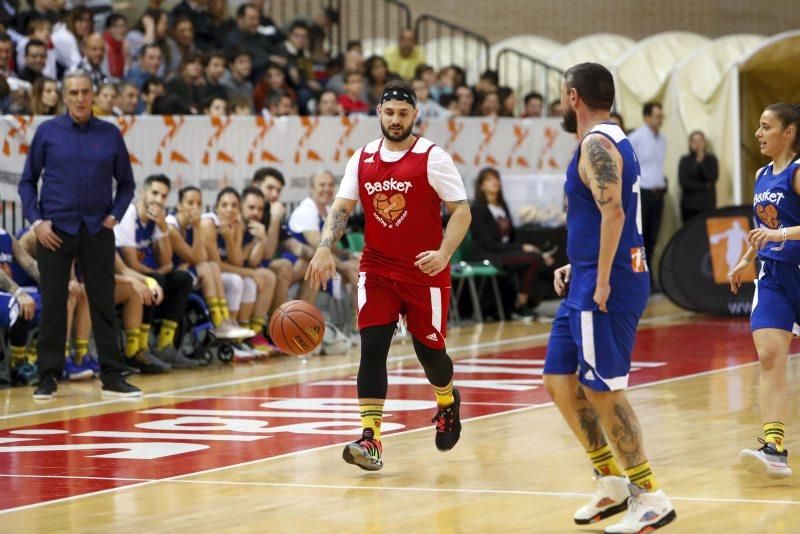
{"type": "Point", "coordinates": [256, 447]}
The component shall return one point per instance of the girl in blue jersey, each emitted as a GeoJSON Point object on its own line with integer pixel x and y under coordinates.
{"type": "Point", "coordinates": [775, 312]}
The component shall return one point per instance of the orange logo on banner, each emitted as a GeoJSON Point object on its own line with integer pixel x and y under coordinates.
{"type": "Point", "coordinates": [309, 126]}
{"type": "Point", "coordinates": [455, 128]}
{"type": "Point", "coordinates": [546, 158]}
{"type": "Point", "coordinates": [487, 129]}
{"type": "Point", "coordinates": [219, 127]}
{"type": "Point", "coordinates": [349, 124]}
{"type": "Point", "coordinates": [521, 134]}
{"type": "Point", "coordinates": [125, 124]}
{"type": "Point", "coordinates": [20, 129]}
{"type": "Point", "coordinates": [727, 240]}
{"type": "Point", "coordinates": [172, 129]}
{"type": "Point", "coordinates": [263, 127]}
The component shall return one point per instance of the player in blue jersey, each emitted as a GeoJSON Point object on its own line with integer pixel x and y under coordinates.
{"type": "Point", "coordinates": [606, 284]}
{"type": "Point", "coordinates": [775, 314]}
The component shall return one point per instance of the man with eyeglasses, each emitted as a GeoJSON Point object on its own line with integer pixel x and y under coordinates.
{"type": "Point", "coordinates": [35, 59]}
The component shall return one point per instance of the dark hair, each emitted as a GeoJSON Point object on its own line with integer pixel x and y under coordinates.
{"type": "Point", "coordinates": [326, 91]}
{"type": "Point", "coordinates": [297, 24]}
{"type": "Point", "coordinates": [460, 74]}
{"type": "Point", "coordinates": [148, 45]}
{"type": "Point", "coordinates": [78, 13]}
{"type": "Point", "coordinates": [421, 69]}
{"type": "Point", "coordinates": [533, 94]}
{"type": "Point", "coordinates": [189, 58]}
{"type": "Point", "coordinates": [210, 100]}
{"type": "Point", "coordinates": [594, 83]}
{"type": "Point", "coordinates": [789, 114]}
{"type": "Point", "coordinates": [208, 56]}
{"type": "Point", "coordinates": [480, 196]}
{"type": "Point", "coordinates": [32, 43]}
{"type": "Point", "coordinates": [251, 190]}
{"type": "Point", "coordinates": [188, 189]}
{"type": "Point", "coordinates": [179, 19]}
{"type": "Point", "coordinates": [446, 100]}
{"type": "Point", "coordinates": [227, 190]}
{"type": "Point", "coordinates": [369, 63]}
{"type": "Point", "coordinates": [617, 116]}
{"type": "Point", "coordinates": [504, 92]}
{"type": "Point", "coordinates": [353, 43]}
{"type": "Point", "coordinates": [113, 18]}
{"type": "Point", "coordinates": [157, 178]}
{"type": "Point", "coordinates": [244, 7]}
{"type": "Point", "coordinates": [149, 82]}
{"type": "Point", "coordinates": [170, 104]}
{"type": "Point", "coordinates": [236, 52]}
{"type": "Point", "coordinates": [351, 73]}
{"type": "Point", "coordinates": [4, 37]}
{"type": "Point", "coordinates": [648, 108]}
{"type": "Point", "coordinates": [492, 76]}
{"type": "Point", "coordinates": [153, 12]}
{"type": "Point", "coordinates": [262, 173]}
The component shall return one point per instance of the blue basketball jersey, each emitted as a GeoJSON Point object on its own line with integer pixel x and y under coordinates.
{"type": "Point", "coordinates": [6, 253]}
{"type": "Point", "coordinates": [186, 233]}
{"type": "Point", "coordinates": [247, 237]}
{"type": "Point", "coordinates": [630, 280]}
{"type": "Point", "coordinates": [776, 205]}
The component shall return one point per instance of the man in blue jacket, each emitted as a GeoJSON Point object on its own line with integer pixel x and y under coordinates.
{"type": "Point", "coordinates": [76, 156]}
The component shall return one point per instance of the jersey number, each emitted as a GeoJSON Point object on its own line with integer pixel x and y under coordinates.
{"type": "Point", "coordinates": [637, 190]}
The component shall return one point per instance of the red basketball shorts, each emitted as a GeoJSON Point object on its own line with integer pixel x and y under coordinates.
{"type": "Point", "coordinates": [382, 300]}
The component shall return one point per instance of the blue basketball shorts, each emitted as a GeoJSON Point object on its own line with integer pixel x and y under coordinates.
{"type": "Point", "coordinates": [596, 345]}
{"type": "Point", "coordinates": [9, 308]}
{"type": "Point", "coordinates": [776, 302]}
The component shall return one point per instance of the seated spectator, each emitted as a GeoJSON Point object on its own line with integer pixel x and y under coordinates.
{"type": "Point", "coordinates": [266, 26]}
{"type": "Point", "coordinates": [404, 58]}
{"type": "Point", "coordinates": [465, 100]}
{"type": "Point", "coordinates": [40, 9]}
{"type": "Point", "coordinates": [489, 81]}
{"type": "Point", "coordinates": [149, 65]}
{"type": "Point", "coordinates": [353, 60]}
{"type": "Point", "coordinates": [236, 79]}
{"type": "Point", "coordinates": [153, 27]}
{"type": "Point", "coordinates": [6, 55]}
{"type": "Point", "coordinates": [273, 83]}
{"type": "Point", "coordinates": [152, 89]}
{"type": "Point", "coordinates": [128, 99]}
{"type": "Point", "coordinates": [328, 104]}
{"type": "Point", "coordinates": [45, 97]}
{"type": "Point", "coordinates": [221, 23]}
{"type": "Point", "coordinates": [246, 35]}
{"type": "Point", "coordinates": [508, 101]}
{"type": "Point", "coordinates": [555, 110]}
{"type": "Point", "coordinates": [35, 59]}
{"type": "Point", "coordinates": [142, 238]}
{"type": "Point", "coordinates": [181, 40]}
{"type": "Point", "coordinates": [533, 105]}
{"type": "Point", "coordinates": [617, 119]}
{"type": "Point", "coordinates": [94, 52]}
{"type": "Point", "coordinates": [489, 104]}
{"type": "Point", "coordinates": [38, 30]}
{"type": "Point", "coordinates": [197, 12]}
{"type": "Point", "coordinates": [186, 83]}
{"type": "Point", "coordinates": [349, 101]}
{"type": "Point", "coordinates": [299, 65]}
{"type": "Point", "coordinates": [213, 71]}
{"type": "Point", "coordinates": [450, 103]}
{"type": "Point", "coordinates": [294, 254]}
{"type": "Point", "coordinates": [240, 106]}
{"type": "Point", "coordinates": [377, 75]}
{"type": "Point", "coordinates": [698, 172]}
{"type": "Point", "coordinates": [216, 107]}
{"type": "Point", "coordinates": [281, 105]}
{"type": "Point", "coordinates": [428, 108]}
{"type": "Point", "coordinates": [427, 74]}
{"type": "Point", "coordinates": [493, 237]}
{"type": "Point", "coordinates": [319, 45]}
{"type": "Point", "coordinates": [5, 95]}
{"type": "Point", "coordinates": [68, 35]}
{"type": "Point", "coordinates": [445, 83]}
{"type": "Point", "coordinates": [116, 56]}
{"type": "Point", "coordinates": [105, 100]}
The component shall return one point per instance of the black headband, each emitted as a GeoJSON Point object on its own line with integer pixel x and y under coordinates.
{"type": "Point", "coordinates": [398, 94]}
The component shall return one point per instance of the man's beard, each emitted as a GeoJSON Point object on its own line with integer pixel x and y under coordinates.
{"type": "Point", "coordinates": [569, 121]}
{"type": "Point", "coordinates": [397, 138]}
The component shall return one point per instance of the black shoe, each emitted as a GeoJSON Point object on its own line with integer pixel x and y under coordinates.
{"type": "Point", "coordinates": [147, 363]}
{"type": "Point", "coordinates": [118, 387]}
{"type": "Point", "coordinates": [448, 424]}
{"type": "Point", "coordinates": [46, 389]}
{"type": "Point", "coordinates": [524, 312]}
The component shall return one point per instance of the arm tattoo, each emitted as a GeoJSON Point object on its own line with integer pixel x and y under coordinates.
{"type": "Point", "coordinates": [604, 166]}
{"type": "Point", "coordinates": [7, 284]}
{"type": "Point", "coordinates": [627, 436]}
{"type": "Point", "coordinates": [334, 227]}
{"type": "Point", "coordinates": [32, 268]}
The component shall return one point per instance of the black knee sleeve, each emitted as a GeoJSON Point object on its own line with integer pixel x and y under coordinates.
{"type": "Point", "coordinates": [437, 364]}
{"type": "Point", "coordinates": [372, 380]}
{"type": "Point", "coordinates": [18, 333]}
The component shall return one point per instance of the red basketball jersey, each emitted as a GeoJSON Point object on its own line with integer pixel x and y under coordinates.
{"type": "Point", "coordinates": [402, 214]}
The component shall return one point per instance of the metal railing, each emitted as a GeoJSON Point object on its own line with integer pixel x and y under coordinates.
{"type": "Point", "coordinates": [285, 11]}
{"type": "Point", "coordinates": [525, 73]}
{"type": "Point", "coordinates": [446, 43]}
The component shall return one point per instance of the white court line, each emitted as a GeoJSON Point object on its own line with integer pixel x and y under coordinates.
{"type": "Point", "coordinates": [300, 372]}
{"type": "Point", "coordinates": [401, 488]}
{"type": "Point", "coordinates": [387, 436]}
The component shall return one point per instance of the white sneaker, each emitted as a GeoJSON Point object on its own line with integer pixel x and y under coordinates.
{"type": "Point", "coordinates": [242, 353]}
{"type": "Point", "coordinates": [646, 512]}
{"type": "Point", "coordinates": [230, 330]}
{"type": "Point", "coordinates": [611, 497]}
{"type": "Point", "coordinates": [766, 461]}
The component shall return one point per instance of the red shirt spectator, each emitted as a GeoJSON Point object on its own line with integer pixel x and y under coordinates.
{"type": "Point", "coordinates": [351, 99]}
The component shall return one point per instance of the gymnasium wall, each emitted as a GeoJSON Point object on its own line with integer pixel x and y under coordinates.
{"type": "Point", "coordinates": [565, 20]}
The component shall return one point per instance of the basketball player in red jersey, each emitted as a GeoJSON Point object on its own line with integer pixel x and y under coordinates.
{"type": "Point", "coordinates": [401, 181]}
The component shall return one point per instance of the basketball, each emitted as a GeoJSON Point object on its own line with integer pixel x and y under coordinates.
{"type": "Point", "coordinates": [297, 327]}
{"type": "Point", "coordinates": [389, 208]}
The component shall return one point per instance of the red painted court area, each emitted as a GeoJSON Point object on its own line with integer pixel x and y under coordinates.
{"type": "Point", "coordinates": [174, 439]}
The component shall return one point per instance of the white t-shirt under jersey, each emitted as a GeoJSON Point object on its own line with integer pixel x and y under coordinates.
{"type": "Point", "coordinates": [442, 172]}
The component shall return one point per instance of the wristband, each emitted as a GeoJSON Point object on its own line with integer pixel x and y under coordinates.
{"type": "Point", "coordinates": [783, 243]}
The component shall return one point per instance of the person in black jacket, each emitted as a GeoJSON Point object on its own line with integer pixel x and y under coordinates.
{"type": "Point", "coordinates": [698, 172]}
{"type": "Point", "coordinates": [493, 239]}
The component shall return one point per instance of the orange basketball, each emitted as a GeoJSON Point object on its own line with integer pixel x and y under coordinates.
{"type": "Point", "coordinates": [297, 327]}
{"type": "Point", "coordinates": [391, 207]}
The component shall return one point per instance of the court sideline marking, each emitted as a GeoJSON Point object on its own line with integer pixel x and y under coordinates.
{"type": "Point", "coordinates": [179, 478]}
{"type": "Point", "coordinates": [300, 372]}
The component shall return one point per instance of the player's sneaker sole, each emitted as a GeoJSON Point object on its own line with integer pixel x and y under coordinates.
{"type": "Point", "coordinates": [755, 463]}
{"type": "Point", "coordinates": [608, 512]}
{"type": "Point", "coordinates": [353, 454]}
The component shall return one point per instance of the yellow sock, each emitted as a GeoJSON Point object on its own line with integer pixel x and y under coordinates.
{"type": "Point", "coordinates": [223, 307]}
{"type": "Point", "coordinates": [371, 415]}
{"type": "Point", "coordinates": [131, 342]}
{"type": "Point", "coordinates": [642, 476]}
{"type": "Point", "coordinates": [81, 349]}
{"type": "Point", "coordinates": [257, 324]}
{"type": "Point", "coordinates": [144, 337]}
{"type": "Point", "coordinates": [774, 433]}
{"type": "Point", "coordinates": [33, 352]}
{"type": "Point", "coordinates": [66, 349]}
{"type": "Point", "coordinates": [216, 312]}
{"type": "Point", "coordinates": [17, 354]}
{"type": "Point", "coordinates": [166, 336]}
{"type": "Point", "coordinates": [603, 461]}
{"type": "Point", "coordinates": [444, 395]}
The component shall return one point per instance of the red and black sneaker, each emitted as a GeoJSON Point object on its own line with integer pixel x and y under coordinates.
{"type": "Point", "coordinates": [365, 452]}
{"type": "Point", "coordinates": [448, 424]}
